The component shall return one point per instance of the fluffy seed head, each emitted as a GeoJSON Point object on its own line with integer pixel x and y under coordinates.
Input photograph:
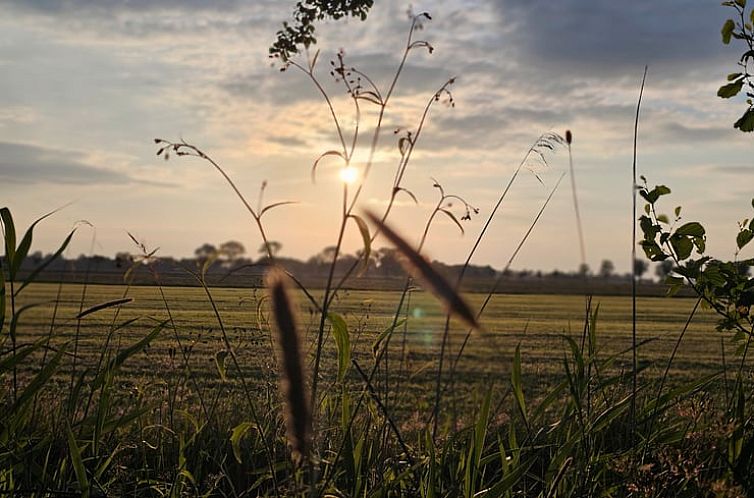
{"type": "Point", "coordinates": [292, 381]}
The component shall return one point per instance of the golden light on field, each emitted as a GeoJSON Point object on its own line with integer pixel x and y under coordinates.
{"type": "Point", "coordinates": [349, 174]}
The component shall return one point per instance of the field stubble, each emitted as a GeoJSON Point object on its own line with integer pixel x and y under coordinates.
{"type": "Point", "coordinates": [537, 323]}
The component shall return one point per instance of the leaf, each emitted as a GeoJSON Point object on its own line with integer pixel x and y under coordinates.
{"type": "Point", "coordinates": [384, 334]}
{"type": "Point", "coordinates": [733, 76]}
{"type": "Point", "coordinates": [654, 194]}
{"type": "Point", "coordinates": [677, 211]}
{"type": "Point", "coordinates": [366, 239]}
{"type": "Point", "coordinates": [727, 30]}
{"type": "Point", "coordinates": [663, 218]}
{"type": "Point", "coordinates": [417, 266]}
{"type": "Point", "coordinates": [731, 89]}
{"type": "Point", "coordinates": [6, 364]}
{"type": "Point", "coordinates": [39, 381]}
{"type": "Point", "coordinates": [237, 435]}
{"type": "Point", "coordinates": [322, 156]}
{"type": "Point", "coordinates": [741, 3]}
{"type": "Point", "coordinates": [47, 262]}
{"type": "Point", "coordinates": [9, 230]}
{"type": "Point", "coordinates": [746, 122]}
{"type": "Point", "coordinates": [102, 306]}
{"type": "Point", "coordinates": [744, 237]}
{"type": "Point", "coordinates": [276, 204]}
{"type": "Point", "coordinates": [693, 229]}
{"type": "Point", "coordinates": [410, 194]}
{"type": "Point", "coordinates": [23, 247]}
{"type": "Point", "coordinates": [455, 220]}
{"type": "Point", "coordinates": [220, 358]}
{"type": "Point", "coordinates": [77, 462]}
{"type": "Point", "coordinates": [123, 355]}
{"type": "Point", "coordinates": [516, 383]}
{"type": "Point", "coordinates": [682, 246]}
{"type": "Point", "coordinates": [342, 342]}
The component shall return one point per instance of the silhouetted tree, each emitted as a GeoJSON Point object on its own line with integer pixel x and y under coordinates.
{"type": "Point", "coordinates": [640, 267]}
{"type": "Point", "coordinates": [584, 270]}
{"type": "Point", "coordinates": [606, 268]}
{"type": "Point", "coordinates": [274, 248]}
{"type": "Point", "coordinates": [231, 251]}
{"type": "Point", "coordinates": [205, 251]}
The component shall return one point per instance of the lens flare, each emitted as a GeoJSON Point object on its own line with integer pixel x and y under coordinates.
{"type": "Point", "coordinates": [349, 174]}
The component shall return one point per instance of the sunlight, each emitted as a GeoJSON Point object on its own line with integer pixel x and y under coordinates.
{"type": "Point", "coordinates": [349, 174]}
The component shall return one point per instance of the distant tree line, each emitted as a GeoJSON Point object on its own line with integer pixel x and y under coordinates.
{"type": "Point", "coordinates": [231, 257]}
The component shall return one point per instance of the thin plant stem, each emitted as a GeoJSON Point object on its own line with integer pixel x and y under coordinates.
{"type": "Point", "coordinates": [634, 353]}
{"type": "Point", "coordinates": [532, 150]}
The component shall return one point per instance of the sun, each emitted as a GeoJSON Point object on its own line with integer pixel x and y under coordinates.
{"type": "Point", "coordinates": [349, 174]}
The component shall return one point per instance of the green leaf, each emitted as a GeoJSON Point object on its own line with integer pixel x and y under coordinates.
{"type": "Point", "coordinates": [677, 211]}
{"type": "Point", "coordinates": [77, 462]}
{"type": "Point", "coordinates": [663, 218]}
{"type": "Point", "coordinates": [237, 435]}
{"type": "Point", "coordinates": [122, 356]}
{"type": "Point", "coordinates": [342, 342]}
{"type": "Point", "coordinates": [39, 381]}
{"type": "Point", "coordinates": [366, 239]}
{"type": "Point", "coordinates": [23, 247]}
{"type": "Point", "coordinates": [384, 334]}
{"type": "Point", "coordinates": [693, 229]}
{"type": "Point", "coordinates": [516, 383]}
{"type": "Point", "coordinates": [655, 193]}
{"type": "Point", "coordinates": [731, 89]}
{"type": "Point", "coordinates": [682, 246]}
{"type": "Point", "coordinates": [746, 122]}
{"type": "Point", "coordinates": [220, 359]}
{"type": "Point", "coordinates": [727, 30]}
{"type": "Point", "coordinates": [744, 237]}
{"type": "Point", "coordinates": [9, 230]}
{"type": "Point", "coordinates": [733, 76]}
{"type": "Point", "coordinates": [652, 250]}
{"type": "Point", "coordinates": [103, 306]}
{"type": "Point", "coordinates": [47, 262]}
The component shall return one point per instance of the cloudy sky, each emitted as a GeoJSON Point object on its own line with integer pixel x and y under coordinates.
{"type": "Point", "coordinates": [85, 85]}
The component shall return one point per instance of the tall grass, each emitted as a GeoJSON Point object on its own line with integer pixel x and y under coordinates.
{"type": "Point", "coordinates": [324, 412]}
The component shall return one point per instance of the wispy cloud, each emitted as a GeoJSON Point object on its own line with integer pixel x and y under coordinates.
{"type": "Point", "coordinates": [26, 164]}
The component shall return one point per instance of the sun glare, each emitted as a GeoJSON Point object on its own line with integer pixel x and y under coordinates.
{"type": "Point", "coordinates": [349, 174]}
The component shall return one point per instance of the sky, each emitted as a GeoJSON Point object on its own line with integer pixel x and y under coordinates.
{"type": "Point", "coordinates": [86, 85]}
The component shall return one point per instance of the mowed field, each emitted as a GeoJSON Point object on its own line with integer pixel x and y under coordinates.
{"type": "Point", "coordinates": [190, 342]}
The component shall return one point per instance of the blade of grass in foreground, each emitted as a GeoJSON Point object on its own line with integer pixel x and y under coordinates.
{"type": "Point", "coordinates": [417, 266]}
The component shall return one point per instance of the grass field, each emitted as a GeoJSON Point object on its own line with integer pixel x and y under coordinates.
{"type": "Point", "coordinates": [536, 322]}
{"type": "Point", "coordinates": [164, 421]}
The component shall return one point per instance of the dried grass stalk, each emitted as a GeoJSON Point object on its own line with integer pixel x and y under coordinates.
{"type": "Point", "coordinates": [417, 266]}
{"type": "Point", "coordinates": [292, 381]}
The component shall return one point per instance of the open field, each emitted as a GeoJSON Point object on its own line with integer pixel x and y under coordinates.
{"type": "Point", "coordinates": [536, 322]}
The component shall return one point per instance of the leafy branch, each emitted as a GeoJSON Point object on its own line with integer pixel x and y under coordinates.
{"type": "Point", "coordinates": [724, 285]}
{"type": "Point", "coordinates": [742, 28]}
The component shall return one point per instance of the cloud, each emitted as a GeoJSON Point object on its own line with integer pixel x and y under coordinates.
{"type": "Point", "coordinates": [31, 164]}
{"type": "Point", "coordinates": [610, 37]}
